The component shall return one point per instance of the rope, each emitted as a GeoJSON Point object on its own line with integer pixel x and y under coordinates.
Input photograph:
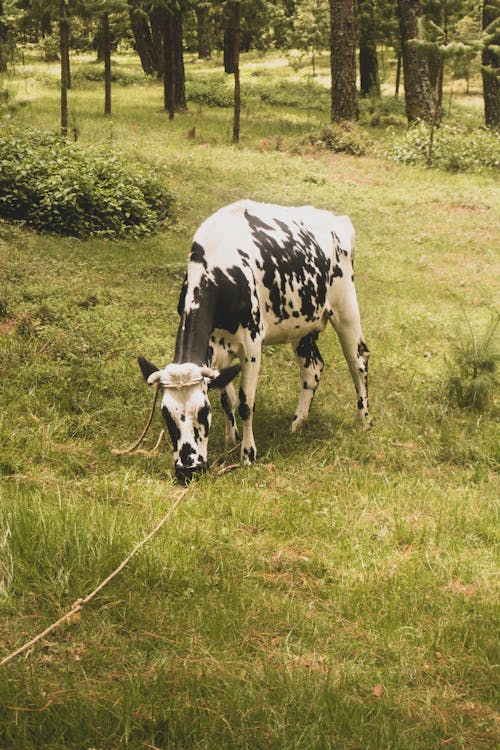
{"type": "Point", "coordinates": [132, 448]}
{"type": "Point", "coordinates": [78, 605]}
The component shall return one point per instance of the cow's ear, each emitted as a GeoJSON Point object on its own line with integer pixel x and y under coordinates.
{"type": "Point", "coordinates": [224, 377]}
{"type": "Point", "coordinates": [147, 368]}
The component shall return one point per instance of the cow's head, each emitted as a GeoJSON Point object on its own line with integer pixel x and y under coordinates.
{"type": "Point", "coordinates": [186, 409]}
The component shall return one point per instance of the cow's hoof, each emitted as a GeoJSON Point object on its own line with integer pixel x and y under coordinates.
{"type": "Point", "coordinates": [248, 456]}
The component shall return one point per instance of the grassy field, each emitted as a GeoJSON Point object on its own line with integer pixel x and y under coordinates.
{"type": "Point", "coordinates": [339, 594]}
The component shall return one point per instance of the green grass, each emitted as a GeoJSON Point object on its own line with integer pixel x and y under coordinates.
{"type": "Point", "coordinates": [279, 597]}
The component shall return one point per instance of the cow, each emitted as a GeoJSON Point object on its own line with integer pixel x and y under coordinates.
{"type": "Point", "coordinates": [257, 274]}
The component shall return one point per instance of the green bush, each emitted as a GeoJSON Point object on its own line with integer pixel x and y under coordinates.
{"type": "Point", "coordinates": [60, 187]}
{"type": "Point", "coordinates": [94, 72]}
{"type": "Point", "coordinates": [348, 138]}
{"type": "Point", "coordinates": [213, 90]}
{"type": "Point", "coordinates": [306, 95]}
{"type": "Point", "coordinates": [455, 149]}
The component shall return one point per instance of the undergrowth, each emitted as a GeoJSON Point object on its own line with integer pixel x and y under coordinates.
{"type": "Point", "coordinates": [61, 187]}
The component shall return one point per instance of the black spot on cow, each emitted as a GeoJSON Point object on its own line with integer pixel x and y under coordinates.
{"type": "Point", "coordinates": [337, 272]}
{"type": "Point", "coordinates": [203, 417]}
{"type": "Point", "coordinates": [360, 403]}
{"type": "Point", "coordinates": [243, 409]}
{"type": "Point", "coordinates": [173, 430]}
{"type": "Point", "coordinates": [362, 349]}
{"type": "Point", "coordinates": [308, 350]}
{"type": "Point", "coordinates": [198, 254]}
{"type": "Point", "coordinates": [250, 453]}
{"type": "Point", "coordinates": [291, 259]}
{"type": "Point", "coordinates": [186, 454]}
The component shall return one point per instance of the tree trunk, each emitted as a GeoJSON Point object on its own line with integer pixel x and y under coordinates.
{"type": "Point", "coordinates": [368, 62]}
{"type": "Point", "coordinates": [169, 66]}
{"type": "Point", "coordinates": [490, 69]}
{"type": "Point", "coordinates": [398, 74]}
{"type": "Point", "coordinates": [418, 96]}
{"type": "Point", "coordinates": [180, 76]}
{"type": "Point", "coordinates": [174, 82]}
{"type": "Point", "coordinates": [158, 21]}
{"type": "Point", "coordinates": [203, 32]}
{"type": "Point", "coordinates": [237, 90]}
{"type": "Point", "coordinates": [3, 39]}
{"type": "Point", "coordinates": [46, 24]}
{"type": "Point", "coordinates": [106, 33]}
{"type": "Point", "coordinates": [143, 39]}
{"type": "Point", "coordinates": [64, 46]}
{"type": "Point", "coordinates": [343, 60]}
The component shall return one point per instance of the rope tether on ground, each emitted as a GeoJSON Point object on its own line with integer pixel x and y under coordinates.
{"type": "Point", "coordinates": [78, 605]}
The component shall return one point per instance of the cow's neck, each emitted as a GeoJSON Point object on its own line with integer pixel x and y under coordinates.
{"type": "Point", "coordinates": [194, 332]}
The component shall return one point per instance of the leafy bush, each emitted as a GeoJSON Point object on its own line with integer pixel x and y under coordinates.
{"type": "Point", "coordinates": [455, 149]}
{"type": "Point", "coordinates": [293, 94]}
{"type": "Point", "coordinates": [60, 187]}
{"type": "Point", "coordinates": [94, 72]}
{"type": "Point", "coordinates": [347, 137]}
{"type": "Point", "coordinates": [213, 90]}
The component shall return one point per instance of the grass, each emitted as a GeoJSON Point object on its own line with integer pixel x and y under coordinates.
{"type": "Point", "coordinates": [339, 594]}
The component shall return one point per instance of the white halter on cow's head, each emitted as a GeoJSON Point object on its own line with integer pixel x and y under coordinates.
{"type": "Point", "coordinates": [186, 409]}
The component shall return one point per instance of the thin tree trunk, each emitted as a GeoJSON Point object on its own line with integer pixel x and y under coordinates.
{"type": "Point", "coordinates": [398, 74]}
{"type": "Point", "coordinates": [169, 66]}
{"type": "Point", "coordinates": [343, 60]}
{"type": "Point", "coordinates": [107, 62]}
{"type": "Point", "coordinates": [418, 97]}
{"type": "Point", "coordinates": [64, 44]}
{"type": "Point", "coordinates": [180, 77]}
{"type": "Point", "coordinates": [237, 90]}
{"type": "Point", "coordinates": [490, 70]}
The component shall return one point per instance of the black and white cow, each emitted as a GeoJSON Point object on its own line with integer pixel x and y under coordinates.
{"type": "Point", "coordinates": [258, 274]}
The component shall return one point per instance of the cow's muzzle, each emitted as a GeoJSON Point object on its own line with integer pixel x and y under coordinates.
{"type": "Point", "coordinates": [186, 474]}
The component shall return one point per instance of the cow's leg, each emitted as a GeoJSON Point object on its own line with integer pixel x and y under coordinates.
{"type": "Point", "coordinates": [310, 363]}
{"type": "Point", "coordinates": [250, 365]}
{"type": "Point", "coordinates": [228, 401]}
{"type": "Point", "coordinates": [347, 324]}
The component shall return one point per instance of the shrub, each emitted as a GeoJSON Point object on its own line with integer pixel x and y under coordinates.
{"type": "Point", "coordinates": [348, 138]}
{"type": "Point", "coordinates": [472, 381]}
{"type": "Point", "coordinates": [60, 187]}
{"type": "Point", "coordinates": [94, 72]}
{"type": "Point", "coordinates": [455, 149]}
{"type": "Point", "coordinates": [213, 90]}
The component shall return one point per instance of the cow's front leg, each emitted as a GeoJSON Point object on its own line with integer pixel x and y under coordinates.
{"type": "Point", "coordinates": [248, 387]}
{"type": "Point", "coordinates": [310, 363]}
{"type": "Point", "coordinates": [228, 402]}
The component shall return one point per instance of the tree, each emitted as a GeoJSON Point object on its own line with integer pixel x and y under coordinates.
{"type": "Point", "coordinates": [236, 27]}
{"type": "Point", "coordinates": [310, 28]}
{"type": "Point", "coordinates": [490, 59]}
{"type": "Point", "coordinates": [64, 46]}
{"type": "Point", "coordinates": [418, 98]}
{"type": "Point", "coordinates": [368, 61]}
{"type": "Point", "coordinates": [343, 59]}
{"type": "Point", "coordinates": [3, 40]}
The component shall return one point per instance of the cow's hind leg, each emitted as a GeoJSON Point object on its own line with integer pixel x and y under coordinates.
{"type": "Point", "coordinates": [347, 324]}
{"type": "Point", "coordinates": [228, 402]}
{"type": "Point", "coordinates": [310, 363]}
